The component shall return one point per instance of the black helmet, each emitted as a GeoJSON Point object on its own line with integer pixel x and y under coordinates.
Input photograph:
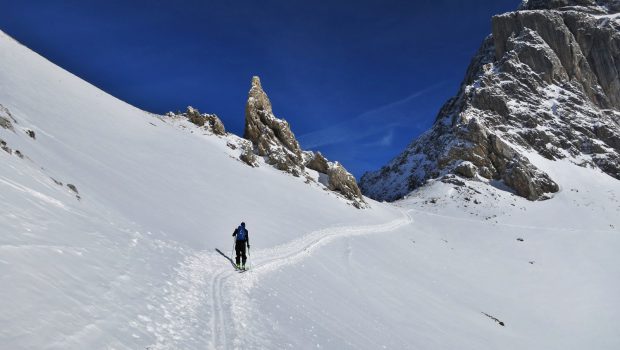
{"type": "Point", "coordinates": [243, 224]}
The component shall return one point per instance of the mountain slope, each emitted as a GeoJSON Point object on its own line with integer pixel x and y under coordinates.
{"type": "Point", "coordinates": [545, 269]}
{"type": "Point", "coordinates": [132, 263]}
{"type": "Point", "coordinates": [151, 190]}
{"type": "Point", "coordinates": [546, 80]}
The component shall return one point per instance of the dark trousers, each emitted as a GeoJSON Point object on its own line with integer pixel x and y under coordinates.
{"type": "Point", "coordinates": [240, 250]}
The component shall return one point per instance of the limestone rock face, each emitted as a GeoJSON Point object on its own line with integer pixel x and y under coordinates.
{"type": "Point", "coordinates": [342, 181]}
{"type": "Point", "coordinates": [466, 169]}
{"type": "Point", "coordinates": [338, 178]}
{"type": "Point", "coordinates": [5, 123]}
{"type": "Point", "coordinates": [559, 44]}
{"type": "Point", "coordinates": [6, 119]}
{"type": "Point", "coordinates": [194, 116]}
{"type": "Point", "coordinates": [547, 81]}
{"type": "Point", "coordinates": [210, 121]}
{"type": "Point", "coordinates": [317, 162]}
{"type": "Point", "coordinates": [247, 154]}
{"type": "Point", "coordinates": [273, 139]}
{"type": "Point", "coordinates": [527, 180]}
{"type": "Point", "coordinates": [271, 136]}
{"type": "Point", "coordinates": [216, 124]}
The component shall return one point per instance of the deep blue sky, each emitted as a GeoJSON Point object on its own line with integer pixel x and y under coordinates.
{"type": "Point", "coordinates": [357, 80]}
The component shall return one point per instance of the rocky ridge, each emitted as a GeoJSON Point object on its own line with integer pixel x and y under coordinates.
{"type": "Point", "coordinates": [545, 81]}
{"type": "Point", "coordinates": [273, 140]}
{"type": "Point", "coordinates": [209, 122]}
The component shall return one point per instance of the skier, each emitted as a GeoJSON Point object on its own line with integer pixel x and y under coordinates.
{"type": "Point", "coordinates": [241, 241]}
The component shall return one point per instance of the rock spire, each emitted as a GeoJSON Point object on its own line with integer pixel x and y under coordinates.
{"type": "Point", "coordinates": [273, 140]}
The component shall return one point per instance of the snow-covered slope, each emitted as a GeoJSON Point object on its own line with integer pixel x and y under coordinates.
{"type": "Point", "coordinates": [132, 263]}
{"type": "Point", "coordinates": [151, 191]}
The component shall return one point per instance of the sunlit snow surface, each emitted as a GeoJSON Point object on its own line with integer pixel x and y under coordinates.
{"type": "Point", "coordinates": [133, 263]}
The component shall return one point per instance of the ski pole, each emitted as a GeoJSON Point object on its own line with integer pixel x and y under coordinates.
{"type": "Point", "coordinates": [232, 251]}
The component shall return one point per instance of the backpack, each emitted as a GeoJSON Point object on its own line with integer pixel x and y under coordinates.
{"type": "Point", "coordinates": [242, 234]}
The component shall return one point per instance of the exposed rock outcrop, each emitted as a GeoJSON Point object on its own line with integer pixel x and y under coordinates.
{"type": "Point", "coordinates": [466, 169]}
{"type": "Point", "coordinates": [271, 136]}
{"type": "Point", "coordinates": [5, 147]}
{"type": "Point", "coordinates": [5, 123]}
{"type": "Point", "coordinates": [211, 122]}
{"type": "Point", "coordinates": [342, 181]}
{"type": "Point", "coordinates": [6, 119]}
{"type": "Point", "coordinates": [545, 81]}
{"type": "Point", "coordinates": [273, 140]}
{"type": "Point", "coordinates": [317, 162]}
{"type": "Point", "coordinates": [247, 154]}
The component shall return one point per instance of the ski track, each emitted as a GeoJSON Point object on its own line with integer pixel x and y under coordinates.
{"type": "Point", "coordinates": [206, 283]}
{"type": "Point", "coordinates": [275, 258]}
{"type": "Point", "coordinates": [206, 287]}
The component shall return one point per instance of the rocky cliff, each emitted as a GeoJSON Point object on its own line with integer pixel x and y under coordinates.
{"type": "Point", "coordinates": [273, 140]}
{"type": "Point", "coordinates": [272, 137]}
{"type": "Point", "coordinates": [545, 81]}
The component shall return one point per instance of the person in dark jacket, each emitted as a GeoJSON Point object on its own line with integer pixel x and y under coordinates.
{"type": "Point", "coordinates": [242, 240]}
